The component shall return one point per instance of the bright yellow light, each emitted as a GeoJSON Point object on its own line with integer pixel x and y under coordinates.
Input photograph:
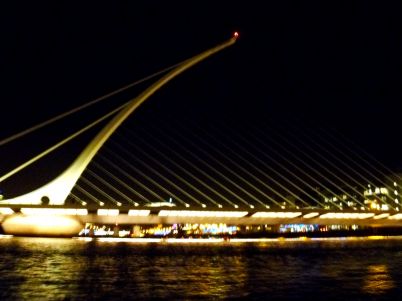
{"type": "Point", "coordinates": [377, 281]}
{"type": "Point", "coordinates": [382, 215]}
{"type": "Point", "coordinates": [277, 214]}
{"type": "Point", "coordinates": [384, 207]}
{"type": "Point", "coordinates": [132, 212]}
{"type": "Point", "coordinates": [192, 213]}
{"type": "Point", "coordinates": [396, 216]}
{"type": "Point", "coordinates": [383, 190]}
{"type": "Point", "coordinates": [124, 233]}
{"type": "Point", "coordinates": [311, 215]}
{"type": "Point", "coordinates": [376, 237]}
{"type": "Point", "coordinates": [6, 211]}
{"type": "Point", "coordinates": [54, 211]}
{"type": "Point", "coordinates": [47, 225]}
{"type": "Point", "coordinates": [341, 215]}
{"type": "Point", "coordinates": [108, 212]}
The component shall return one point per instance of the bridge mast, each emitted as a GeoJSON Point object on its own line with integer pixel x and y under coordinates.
{"type": "Point", "coordinates": [57, 191]}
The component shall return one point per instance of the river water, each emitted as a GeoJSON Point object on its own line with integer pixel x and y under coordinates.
{"type": "Point", "coordinates": [294, 269]}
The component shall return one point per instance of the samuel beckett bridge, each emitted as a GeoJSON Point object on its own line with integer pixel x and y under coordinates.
{"type": "Point", "coordinates": [186, 173]}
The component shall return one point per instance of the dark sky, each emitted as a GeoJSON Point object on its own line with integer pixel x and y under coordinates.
{"type": "Point", "coordinates": [333, 64]}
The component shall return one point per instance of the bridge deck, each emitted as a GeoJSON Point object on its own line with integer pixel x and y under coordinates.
{"type": "Point", "coordinates": [171, 215]}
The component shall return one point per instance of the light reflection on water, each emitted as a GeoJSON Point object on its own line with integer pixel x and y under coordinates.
{"type": "Point", "coordinates": [378, 280]}
{"type": "Point", "coordinates": [68, 269]}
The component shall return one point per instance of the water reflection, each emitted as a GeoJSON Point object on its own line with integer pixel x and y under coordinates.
{"type": "Point", "coordinates": [160, 271]}
{"type": "Point", "coordinates": [378, 280]}
{"type": "Point", "coordinates": [207, 276]}
{"type": "Point", "coordinates": [48, 269]}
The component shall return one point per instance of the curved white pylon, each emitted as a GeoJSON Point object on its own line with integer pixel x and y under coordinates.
{"type": "Point", "coordinates": [58, 189]}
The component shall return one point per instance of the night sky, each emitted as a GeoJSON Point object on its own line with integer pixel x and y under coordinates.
{"type": "Point", "coordinates": [331, 66]}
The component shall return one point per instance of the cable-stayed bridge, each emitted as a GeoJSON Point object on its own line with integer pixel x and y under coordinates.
{"type": "Point", "coordinates": [211, 171]}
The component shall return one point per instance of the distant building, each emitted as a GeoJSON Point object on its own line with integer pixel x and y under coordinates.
{"type": "Point", "coordinates": [385, 196]}
{"type": "Point", "coordinates": [394, 181]}
{"type": "Point", "coordinates": [377, 197]}
{"type": "Point", "coordinates": [340, 200]}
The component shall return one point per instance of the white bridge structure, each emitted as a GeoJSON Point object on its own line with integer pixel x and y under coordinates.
{"type": "Point", "coordinates": [44, 211]}
{"type": "Point", "coordinates": [56, 192]}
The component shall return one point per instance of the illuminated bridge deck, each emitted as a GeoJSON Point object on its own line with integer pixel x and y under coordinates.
{"type": "Point", "coordinates": [171, 215]}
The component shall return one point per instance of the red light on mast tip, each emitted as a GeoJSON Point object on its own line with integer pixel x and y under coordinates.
{"type": "Point", "coordinates": [236, 35]}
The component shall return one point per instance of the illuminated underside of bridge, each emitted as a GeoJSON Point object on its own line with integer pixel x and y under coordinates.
{"type": "Point", "coordinates": [69, 221]}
